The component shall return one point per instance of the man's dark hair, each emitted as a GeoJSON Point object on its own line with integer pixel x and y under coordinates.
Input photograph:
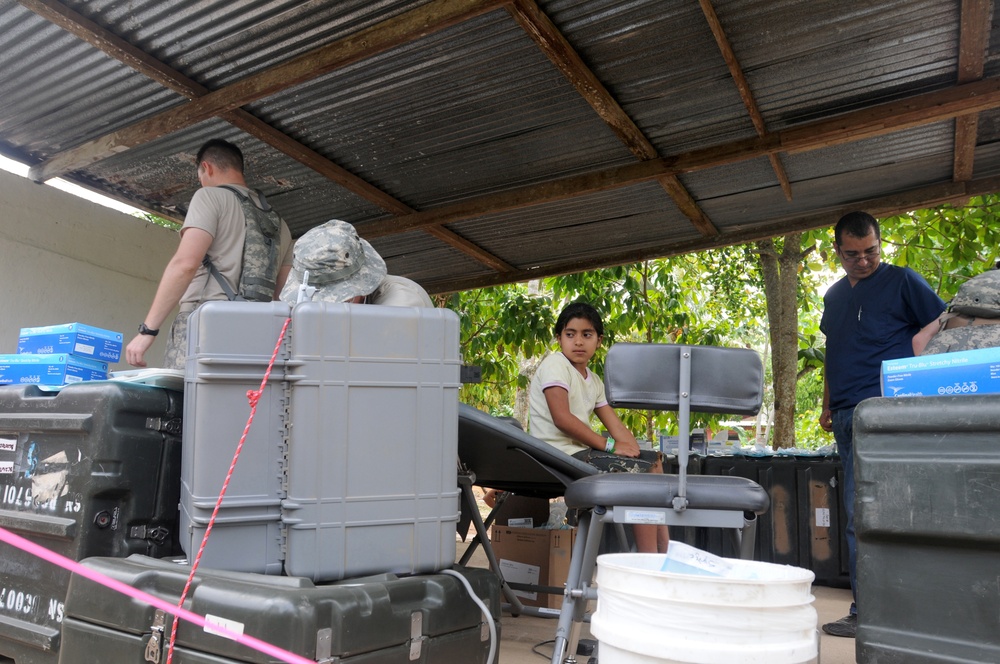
{"type": "Point", "coordinates": [856, 224]}
{"type": "Point", "coordinates": [580, 310]}
{"type": "Point", "coordinates": [221, 153]}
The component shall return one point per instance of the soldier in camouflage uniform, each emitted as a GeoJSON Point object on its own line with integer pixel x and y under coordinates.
{"type": "Point", "coordinates": [215, 227]}
{"type": "Point", "coordinates": [343, 267]}
{"type": "Point", "coordinates": [973, 318]}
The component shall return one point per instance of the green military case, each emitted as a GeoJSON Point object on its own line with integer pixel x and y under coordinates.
{"type": "Point", "coordinates": [382, 619]}
{"type": "Point", "coordinates": [927, 519]}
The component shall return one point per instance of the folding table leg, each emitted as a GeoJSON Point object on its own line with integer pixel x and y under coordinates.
{"type": "Point", "coordinates": [482, 537]}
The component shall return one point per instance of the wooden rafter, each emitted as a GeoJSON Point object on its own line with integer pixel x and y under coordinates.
{"type": "Point", "coordinates": [158, 71]}
{"type": "Point", "coordinates": [914, 111]}
{"type": "Point", "coordinates": [562, 54]}
{"type": "Point", "coordinates": [881, 207]}
{"type": "Point", "coordinates": [743, 86]}
{"type": "Point", "coordinates": [420, 22]}
{"type": "Point", "coordinates": [973, 40]}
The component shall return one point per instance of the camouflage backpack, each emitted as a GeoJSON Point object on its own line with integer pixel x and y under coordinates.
{"type": "Point", "coordinates": [261, 250]}
{"type": "Point", "coordinates": [973, 318]}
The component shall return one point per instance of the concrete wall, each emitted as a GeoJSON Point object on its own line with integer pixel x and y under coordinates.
{"type": "Point", "coordinates": [64, 259]}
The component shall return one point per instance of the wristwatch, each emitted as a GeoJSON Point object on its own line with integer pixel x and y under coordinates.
{"type": "Point", "coordinates": [145, 330]}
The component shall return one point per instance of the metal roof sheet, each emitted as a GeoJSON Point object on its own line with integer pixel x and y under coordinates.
{"type": "Point", "coordinates": [479, 142]}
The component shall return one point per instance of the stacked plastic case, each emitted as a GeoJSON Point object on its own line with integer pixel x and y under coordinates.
{"type": "Point", "coordinates": [349, 466]}
{"type": "Point", "coordinates": [927, 473]}
{"type": "Point", "coordinates": [89, 470]}
{"type": "Point", "coordinates": [377, 620]}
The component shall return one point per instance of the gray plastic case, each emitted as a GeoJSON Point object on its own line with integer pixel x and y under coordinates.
{"type": "Point", "coordinates": [229, 347]}
{"type": "Point", "coordinates": [373, 447]}
{"type": "Point", "coordinates": [349, 467]}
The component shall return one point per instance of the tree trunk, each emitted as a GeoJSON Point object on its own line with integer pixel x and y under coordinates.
{"type": "Point", "coordinates": [781, 278]}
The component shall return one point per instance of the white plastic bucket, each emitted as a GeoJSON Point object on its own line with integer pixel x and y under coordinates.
{"type": "Point", "coordinates": [762, 614]}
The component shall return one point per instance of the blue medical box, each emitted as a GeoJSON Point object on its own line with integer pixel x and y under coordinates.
{"type": "Point", "coordinates": [76, 338]}
{"type": "Point", "coordinates": [963, 372]}
{"type": "Point", "coordinates": [49, 369]}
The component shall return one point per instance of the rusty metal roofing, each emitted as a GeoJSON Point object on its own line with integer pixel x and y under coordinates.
{"type": "Point", "coordinates": [477, 142]}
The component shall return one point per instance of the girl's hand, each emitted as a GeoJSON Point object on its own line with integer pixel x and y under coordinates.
{"type": "Point", "coordinates": [627, 448]}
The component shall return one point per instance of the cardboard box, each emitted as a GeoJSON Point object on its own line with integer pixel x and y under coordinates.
{"type": "Point", "coordinates": [535, 556]}
{"type": "Point", "coordinates": [963, 372]}
{"type": "Point", "coordinates": [520, 507]}
{"type": "Point", "coordinates": [76, 338]}
{"type": "Point", "coordinates": [49, 369]}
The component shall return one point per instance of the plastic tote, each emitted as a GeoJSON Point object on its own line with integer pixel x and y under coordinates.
{"type": "Point", "coordinates": [756, 613]}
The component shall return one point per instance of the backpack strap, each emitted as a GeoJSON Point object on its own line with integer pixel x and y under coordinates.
{"type": "Point", "coordinates": [261, 205]}
{"type": "Point", "coordinates": [214, 271]}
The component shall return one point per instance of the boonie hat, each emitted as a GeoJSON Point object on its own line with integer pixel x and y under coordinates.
{"type": "Point", "coordinates": [341, 264]}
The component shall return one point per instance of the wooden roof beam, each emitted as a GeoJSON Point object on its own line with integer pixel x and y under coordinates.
{"type": "Point", "coordinates": [922, 109]}
{"type": "Point", "coordinates": [118, 48]}
{"type": "Point", "coordinates": [420, 22]}
{"type": "Point", "coordinates": [743, 87]}
{"type": "Point", "coordinates": [973, 43]}
{"type": "Point", "coordinates": [881, 207]}
{"type": "Point", "coordinates": [557, 48]}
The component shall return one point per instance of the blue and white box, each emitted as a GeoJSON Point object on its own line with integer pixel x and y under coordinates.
{"type": "Point", "coordinates": [963, 372]}
{"type": "Point", "coordinates": [76, 338]}
{"type": "Point", "coordinates": [49, 369]}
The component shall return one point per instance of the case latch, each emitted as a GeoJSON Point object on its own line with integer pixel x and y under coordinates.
{"type": "Point", "coordinates": [417, 637]}
{"type": "Point", "coordinates": [155, 646]}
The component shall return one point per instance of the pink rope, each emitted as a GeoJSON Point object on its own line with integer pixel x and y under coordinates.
{"type": "Point", "coordinates": [253, 396]}
{"type": "Point", "coordinates": [95, 576]}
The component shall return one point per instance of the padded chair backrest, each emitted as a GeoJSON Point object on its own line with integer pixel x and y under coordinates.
{"type": "Point", "coordinates": [647, 377]}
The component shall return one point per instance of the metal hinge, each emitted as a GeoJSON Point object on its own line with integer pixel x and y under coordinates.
{"type": "Point", "coordinates": [417, 637]}
{"type": "Point", "coordinates": [155, 534]}
{"type": "Point", "coordinates": [324, 647]}
{"type": "Point", "coordinates": [173, 426]}
{"type": "Point", "coordinates": [155, 645]}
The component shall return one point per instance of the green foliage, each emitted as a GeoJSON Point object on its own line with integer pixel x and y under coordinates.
{"type": "Point", "coordinates": [713, 297]}
{"type": "Point", "coordinates": [948, 244]}
{"type": "Point", "coordinates": [501, 326]}
{"type": "Point", "coordinates": [159, 221]}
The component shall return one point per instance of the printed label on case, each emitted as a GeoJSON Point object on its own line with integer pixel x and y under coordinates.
{"type": "Point", "coordinates": [823, 517]}
{"type": "Point", "coordinates": [233, 626]}
{"type": "Point", "coordinates": [8, 444]}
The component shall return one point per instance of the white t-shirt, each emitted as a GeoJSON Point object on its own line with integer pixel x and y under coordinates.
{"type": "Point", "coordinates": [219, 213]}
{"type": "Point", "coordinates": [585, 395]}
{"type": "Point", "coordinates": [400, 292]}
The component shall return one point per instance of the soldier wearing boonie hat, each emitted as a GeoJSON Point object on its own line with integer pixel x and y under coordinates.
{"type": "Point", "coordinates": [343, 267]}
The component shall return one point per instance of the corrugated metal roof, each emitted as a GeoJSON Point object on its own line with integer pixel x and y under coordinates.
{"type": "Point", "coordinates": [543, 138]}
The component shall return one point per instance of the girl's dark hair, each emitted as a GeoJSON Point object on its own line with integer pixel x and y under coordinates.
{"type": "Point", "coordinates": [580, 310]}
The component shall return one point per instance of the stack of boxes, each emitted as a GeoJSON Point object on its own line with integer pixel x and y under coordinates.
{"type": "Point", "coordinates": [61, 354]}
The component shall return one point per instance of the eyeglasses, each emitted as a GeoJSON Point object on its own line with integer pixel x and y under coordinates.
{"type": "Point", "coordinates": [853, 257]}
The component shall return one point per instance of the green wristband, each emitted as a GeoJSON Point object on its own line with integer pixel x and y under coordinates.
{"type": "Point", "coordinates": [610, 447]}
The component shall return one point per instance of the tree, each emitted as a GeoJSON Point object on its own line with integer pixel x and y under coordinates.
{"type": "Point", "coordinates": [780, 267]}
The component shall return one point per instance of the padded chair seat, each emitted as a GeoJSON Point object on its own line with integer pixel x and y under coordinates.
{"type": "Point", "coordinates": [707, 492]}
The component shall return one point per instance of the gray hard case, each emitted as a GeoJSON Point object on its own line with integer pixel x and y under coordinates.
{"type": "Point", "coordinates": [349, 467]}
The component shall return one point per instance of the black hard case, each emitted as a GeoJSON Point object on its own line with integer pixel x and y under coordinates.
{"type": "Point", "coordinates": [90, 470]}
{"type": "Point", "coordinates": [792, 532]}
{"type": "Point", "coordinates": [927, 480]}
{"type": "Point", "coordinates": [373, 620]}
